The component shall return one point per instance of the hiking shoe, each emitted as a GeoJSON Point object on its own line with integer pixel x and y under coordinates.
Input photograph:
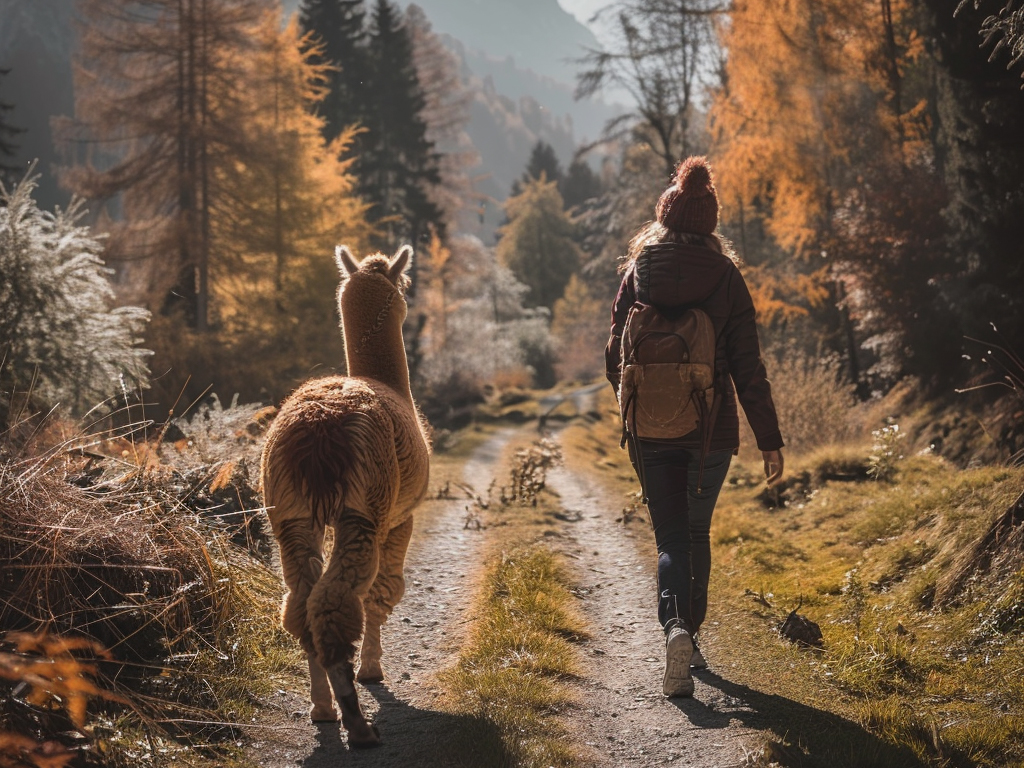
{"type": "Point", "coordinates": [697, 660]}
{"type": "Point", "coordinates": [678, 650]}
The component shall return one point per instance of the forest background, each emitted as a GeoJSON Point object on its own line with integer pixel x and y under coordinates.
{"type": "Point", "coordinates": [868, 155]}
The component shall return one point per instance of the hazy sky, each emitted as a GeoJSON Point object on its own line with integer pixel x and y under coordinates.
{"type": "Point", "coordinates": [583, 10]}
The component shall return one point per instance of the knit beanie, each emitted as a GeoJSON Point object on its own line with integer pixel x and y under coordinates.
{"type": "Point", "coordinates": [690, 204]}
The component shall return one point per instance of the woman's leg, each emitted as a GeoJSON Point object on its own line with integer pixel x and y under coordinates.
{"type": "Point", "coordinates": [665, 478]}
{"type": "Point", "coordinates": [701, 506]}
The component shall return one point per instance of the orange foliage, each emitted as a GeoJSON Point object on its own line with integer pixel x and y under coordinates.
{"type": "Point", "coordinates": [54, 677]}
{"type": "Point", "coordinates": [780, 297]}
{"type": "Point", "coordinates": [812, 94]}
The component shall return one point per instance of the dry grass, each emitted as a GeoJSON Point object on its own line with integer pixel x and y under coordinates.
{"type": "Point", "coordinates": [128, 545]}
{"type": "Point", "coordinates": [902, 680]}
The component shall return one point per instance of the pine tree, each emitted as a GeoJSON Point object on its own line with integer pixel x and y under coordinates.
{"type": "Point", "coordinates": [7, 134]}
{"type": "Point", "coordinates": [580, 184]}
{"type": "Point", "coordinates": [397, 163]}
{"type": "Point", "coordinates": [446, 115]}
{"type": "Point", "coordinates": [158, 105]}
{"type": "Point", "coordinates": [339, 27]}
{"type": "Point", "coordinates": [537, 243]}
{"type": "Point", "coordinates": [61, 341]}
{"type": "Point", "coordinates": [543, 163]}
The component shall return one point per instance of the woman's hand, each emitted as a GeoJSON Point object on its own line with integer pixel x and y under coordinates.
{"type": "Point", "coordinates": [772, 466]}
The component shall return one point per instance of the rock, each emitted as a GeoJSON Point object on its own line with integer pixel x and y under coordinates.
{"type": "Point", "coordinates": [801, 631]}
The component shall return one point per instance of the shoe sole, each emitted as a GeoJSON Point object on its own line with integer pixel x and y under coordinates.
{"type": "Point", "coordinates": [678, 681]}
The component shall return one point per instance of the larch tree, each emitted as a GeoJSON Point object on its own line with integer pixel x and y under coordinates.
{"type": "Point", "coordinates": [579, 327]}
{"type": "Point", "coordinates": [817, 138]}
{"type": "Point", "coordinates": [338, 28]}
{"type": "Point", "coordinates": [537, 243]}
{"type": "Point", "coordinates": [283, 210]}
{"type": "Point", "coordinates": [156, 115]}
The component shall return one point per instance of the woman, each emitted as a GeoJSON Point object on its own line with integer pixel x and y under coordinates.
{"type": "Point", "coordinates": [682, 477]}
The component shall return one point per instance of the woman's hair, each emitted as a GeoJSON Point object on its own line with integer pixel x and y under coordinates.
{"type": "Point", "coordinates": [654, 232]}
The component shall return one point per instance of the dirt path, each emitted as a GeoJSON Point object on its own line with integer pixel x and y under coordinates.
{"type": "Point", "coordinates": [420, 638]}
{"type": "Point", "coordinates": [623, 717]}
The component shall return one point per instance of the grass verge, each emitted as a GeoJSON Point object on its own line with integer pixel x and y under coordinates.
{"type": "Point", "coordinates": [125, 565]}
{"type": "Point", "coordinates": [519, 649]}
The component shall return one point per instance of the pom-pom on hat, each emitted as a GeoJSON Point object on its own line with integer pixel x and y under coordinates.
{"type": "Point", "coordinates": [691, 203]}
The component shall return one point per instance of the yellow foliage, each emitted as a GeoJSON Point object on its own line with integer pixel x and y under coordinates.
{"type": "Point", "coordinates": [291, 202]}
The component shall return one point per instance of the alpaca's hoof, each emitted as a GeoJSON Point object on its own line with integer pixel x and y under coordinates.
{"type": "Point", "coordinates": [320, 714]}
{"type": "Point", "coordinates": [366, 738]}
{"type": "Point", "coordinates": [370, 672]}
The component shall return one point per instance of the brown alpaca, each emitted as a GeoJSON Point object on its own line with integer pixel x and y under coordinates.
{"type": "Point", "coordinates": [349, 452]}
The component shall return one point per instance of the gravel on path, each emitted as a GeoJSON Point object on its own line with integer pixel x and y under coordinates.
{"type": "Point", "coordinates": [622, 717]}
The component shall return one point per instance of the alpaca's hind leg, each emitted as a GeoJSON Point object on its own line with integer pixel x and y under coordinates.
{"type": "Point", "coordinates": [336, 617]}
{"type": "Point", "coordinates": [387, 590]}
{"type": "Point", "coordinates": [301, 548]}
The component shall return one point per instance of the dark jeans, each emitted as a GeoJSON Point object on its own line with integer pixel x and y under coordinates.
{"type": "Point", "coordinates": [682, 525]}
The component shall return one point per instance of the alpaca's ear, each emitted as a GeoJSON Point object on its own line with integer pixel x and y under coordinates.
{"type": "Point", "coordinates": [400, 263]}
{"type": "Point", "coordinates": [347, 263]}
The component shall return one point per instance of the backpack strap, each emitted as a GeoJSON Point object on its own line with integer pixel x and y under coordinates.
{"type": "Point", "coordinates": [707, 429]}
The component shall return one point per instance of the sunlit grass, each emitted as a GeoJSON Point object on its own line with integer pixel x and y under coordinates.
{"type": "Point", "coordinates": [511, 668]}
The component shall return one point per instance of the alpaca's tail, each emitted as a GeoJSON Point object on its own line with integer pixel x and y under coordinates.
{"type": "Point", "coordinates": [320, 452]}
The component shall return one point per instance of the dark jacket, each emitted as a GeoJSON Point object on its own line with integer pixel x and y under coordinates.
{"type": "Point", "coordinates": [689, 275]}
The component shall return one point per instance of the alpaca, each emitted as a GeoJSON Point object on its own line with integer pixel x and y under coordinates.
{"type": "Point", "coordinates": [350, 452]}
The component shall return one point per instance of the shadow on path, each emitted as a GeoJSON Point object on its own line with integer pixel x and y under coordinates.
{"type": "Point", "coordinates": [829, 741]}
{"type": "Point", "coordinates": [411, 736]}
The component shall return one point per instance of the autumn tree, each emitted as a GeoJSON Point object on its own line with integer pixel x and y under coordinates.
{"type": "Point", "coordinates": [157, 106]}
{"type": "Point", "coordinates": [579, 327]}
{"type": "Point", "coordinates": [280, 211]}
{"type": "Point", "coordinates": [537, 243]}
{"type": "Point", "coordinates": [823, 154]}
{"type": "Point", "coordinates": [662, 57]}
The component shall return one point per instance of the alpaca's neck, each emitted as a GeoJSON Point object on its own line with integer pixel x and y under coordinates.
{"type": "Point", "coordinates": [378, 354]}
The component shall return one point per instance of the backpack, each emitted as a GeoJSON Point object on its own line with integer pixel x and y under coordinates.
{"type": "Point", "coordinates": [667, 388]}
